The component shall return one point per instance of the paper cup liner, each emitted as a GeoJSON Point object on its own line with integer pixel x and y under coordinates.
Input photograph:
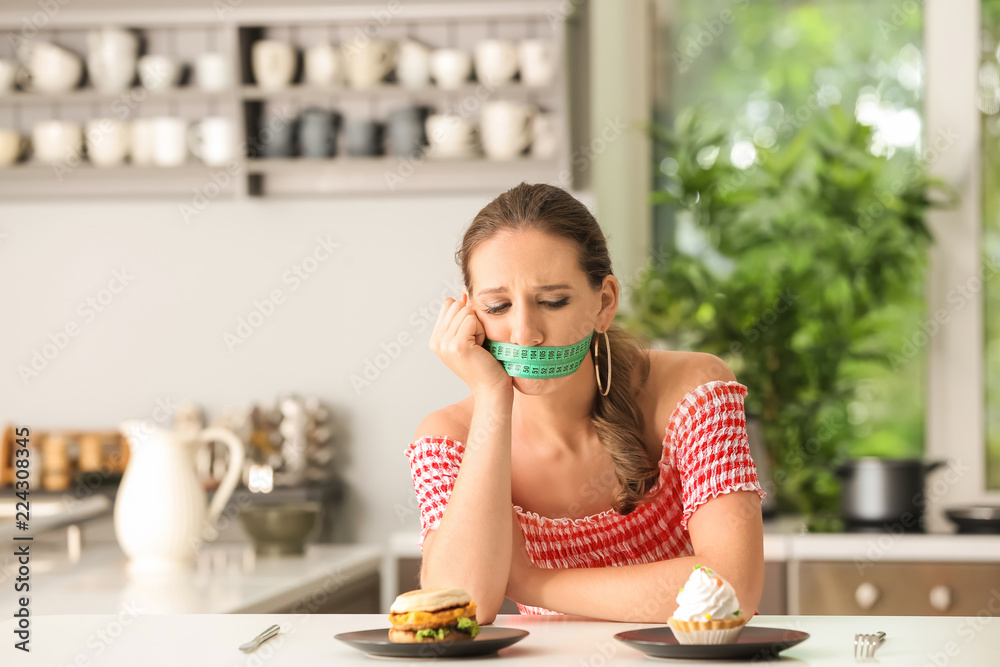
{"type": "Point", "coordinates": [707, 632]}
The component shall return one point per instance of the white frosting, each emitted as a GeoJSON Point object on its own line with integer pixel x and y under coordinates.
{"type": "Point", "coordinates": [706, 596]}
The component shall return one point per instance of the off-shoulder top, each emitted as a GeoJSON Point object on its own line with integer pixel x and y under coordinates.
{"type": "Point", "coordinates": [705, 454]}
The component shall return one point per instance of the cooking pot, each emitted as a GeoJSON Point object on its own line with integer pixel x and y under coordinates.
{"type": "Point", "coordinates": [875, 492]}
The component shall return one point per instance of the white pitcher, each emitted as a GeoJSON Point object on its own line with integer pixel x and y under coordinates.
{"type": "Point", "coordinates": [160, 512]}
{"type": "Point", "coordinates": [112, 58]}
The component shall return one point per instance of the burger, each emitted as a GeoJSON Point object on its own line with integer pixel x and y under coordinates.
{"type": "Point", "coordinates": [429, 615]}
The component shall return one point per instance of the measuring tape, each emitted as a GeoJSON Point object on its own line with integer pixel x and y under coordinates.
{"type": "Point", "coordinates": [539, 361]}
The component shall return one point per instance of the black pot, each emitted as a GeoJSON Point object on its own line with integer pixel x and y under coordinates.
{"type": "Point", "coordinates": [884, 492]}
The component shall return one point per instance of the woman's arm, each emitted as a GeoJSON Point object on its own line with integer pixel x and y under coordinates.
{"type": "Point", "coordinates": [726, 534]}
{"type": "Point", "coordinates": [471, 546]}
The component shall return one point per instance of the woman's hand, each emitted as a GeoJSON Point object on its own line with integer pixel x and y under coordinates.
{"type": "Point", "coordinates": [458, 338]}
{"type": "Point", "coordinates": [525, 577]}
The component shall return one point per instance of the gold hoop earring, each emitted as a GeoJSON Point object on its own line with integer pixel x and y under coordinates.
{"type": "Point", "coordinates": [597, 351]}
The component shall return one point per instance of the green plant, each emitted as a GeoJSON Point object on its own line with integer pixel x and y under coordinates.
{"type": "Point", "coordinates": [803, 264]}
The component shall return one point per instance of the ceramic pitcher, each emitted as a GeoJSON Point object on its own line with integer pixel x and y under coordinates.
{"type": "Point", "coordinates": [112, 57]}
{"type": "Point", "coordinates": [160, 512]}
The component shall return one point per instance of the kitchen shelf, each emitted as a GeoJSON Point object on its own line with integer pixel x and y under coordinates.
{"type": "Point", "coordinates": [303, 176]}
{"type": "Point", "coordinates": [36, 181]}
{"type": "Point", "coordinates": [186, 29]}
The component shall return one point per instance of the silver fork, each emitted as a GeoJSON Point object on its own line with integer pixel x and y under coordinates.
{"type": "Point", "coordinates": [865, 645]}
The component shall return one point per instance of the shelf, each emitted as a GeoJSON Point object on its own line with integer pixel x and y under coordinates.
{"type": "Point", "coordinates": [186, 30]}
{"type": "Point", "coordinates": [34, 180]}
{"type": "Point", "coordinates": [255, 93]}
{"type": "Point", "coordinates": [345, 175]}
{"type": "Point", "coordinates": [135, 94]}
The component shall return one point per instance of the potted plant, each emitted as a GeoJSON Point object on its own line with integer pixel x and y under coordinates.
{"type": "Point", "coordinates": [793, 270]}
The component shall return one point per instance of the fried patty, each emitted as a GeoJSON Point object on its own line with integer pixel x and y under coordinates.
{"type": "Point", "coordinates": [420, 620]}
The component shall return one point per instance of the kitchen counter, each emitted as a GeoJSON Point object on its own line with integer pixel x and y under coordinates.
{"type": "Point", "coordinates": [227, 579]}
{"type": "Point", "coordinates": [169, 640]}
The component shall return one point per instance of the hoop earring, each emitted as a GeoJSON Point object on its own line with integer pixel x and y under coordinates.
{"type": "Point", "coordinates": [597, 351]}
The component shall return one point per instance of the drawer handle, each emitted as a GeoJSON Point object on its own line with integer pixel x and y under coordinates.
{"type": "Point", "coordinates": [866, 595]}
{"type": "Point", "coordinates": [941, 597]}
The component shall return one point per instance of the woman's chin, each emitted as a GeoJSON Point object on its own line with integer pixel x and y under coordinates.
{"type": "Point", "coordinates": [534, 387]}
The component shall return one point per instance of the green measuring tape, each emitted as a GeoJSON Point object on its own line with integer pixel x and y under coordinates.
{"type": "Point", "coordinates": [539, 361]}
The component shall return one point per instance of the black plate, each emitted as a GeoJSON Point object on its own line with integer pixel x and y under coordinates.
{"type": "Point", "coordinates": [376, 642]}
{"type": "Point", "coordinates": [752, 642]}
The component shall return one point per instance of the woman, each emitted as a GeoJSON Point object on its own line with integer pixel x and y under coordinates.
{"type": "Point", "coordinates": [593, 492]}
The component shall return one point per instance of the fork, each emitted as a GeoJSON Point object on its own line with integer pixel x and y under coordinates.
{"type": "Point", "coordinates": [865, 644]}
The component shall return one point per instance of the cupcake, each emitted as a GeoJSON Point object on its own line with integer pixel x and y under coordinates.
{"type": "Point", "coordinates": [707, 610]}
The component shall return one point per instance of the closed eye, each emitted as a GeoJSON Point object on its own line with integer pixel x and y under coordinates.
{"type": "Point", "coordinates": [496, 310]}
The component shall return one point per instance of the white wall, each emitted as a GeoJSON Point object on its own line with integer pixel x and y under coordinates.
{"type": "Point", "coordinates": [161, 338]}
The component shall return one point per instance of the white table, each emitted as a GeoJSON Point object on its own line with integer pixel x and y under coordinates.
{"type": "Point", "coordinates": [555, 641]}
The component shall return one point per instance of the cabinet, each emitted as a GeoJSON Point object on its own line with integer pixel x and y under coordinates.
{"type": "Point", "coordinates": [897, 588]}
{"type": "Point", "coordinates": [184, 30]}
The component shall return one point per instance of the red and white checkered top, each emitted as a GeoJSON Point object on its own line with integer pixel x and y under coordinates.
{"type": "Point", "coordinates": [705, 454]}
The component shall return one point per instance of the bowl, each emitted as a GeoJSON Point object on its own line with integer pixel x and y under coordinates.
{"type": "Point", "coordinates": [279, 529]}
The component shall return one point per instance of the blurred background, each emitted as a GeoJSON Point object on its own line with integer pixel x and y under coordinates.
{"type": "Point", "coordinates": [227, 228]}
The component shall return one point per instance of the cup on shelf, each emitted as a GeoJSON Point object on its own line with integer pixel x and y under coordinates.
{"type": "Point", "coordinates": [111, 58]}
{"type": "Point", "coordinates": [158, 72]}
{"type": "Point", "coordinates": [407, 135]}
{"type": "Point", "coordinates": [413, 67]}
{"type": "Point", "coordinates": [506, 128]}
{"type": "Point", "coordinates": [141, 143]}
{"type": "Point", "coordinates": [544, 138]}
{"type": "Point", "coordinates": [56, 141]}
{"type": "Point", "coordinates": [8, 75]}
{"type": "Point", "coordinates": [537, 62]}
{"type": "Point", "coordinates": [324, 65]}
{"type": "Point", "coordinates": [107, 141]}
{"type": "Point", "coordinates": [47, 68]}
{"type": "Point", "coordinates": [12, 146]}
{"type": "Point", "coordinates": [169, 141]}
{"type": "Point", "coordinates": [367, 64]}
{"type": "Point", "coordinates": [496, 61]}
{"type": "Point", "coordinates": [212, 72]}
{"type": "Point", "coordinates": [451, 136]}
{"type": "Point", "coordinates": [274, 63]}
{"type": "Point", "coordinates": [277, 135]}
{"type": "Point", "coordinates": [213, 140]}
{"type": "Point", "coordinates": [363, 137]}
{"type": "Point", "coordinates": [318, 132]}
{"type": "Point", "coordinates": [450, 68]}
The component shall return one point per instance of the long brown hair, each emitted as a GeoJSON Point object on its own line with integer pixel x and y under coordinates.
{"type": "Point", "coordinates": [616, 417]}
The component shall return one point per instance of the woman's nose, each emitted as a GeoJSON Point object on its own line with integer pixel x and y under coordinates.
{"type": "Point", "coordinates": [524, 331]}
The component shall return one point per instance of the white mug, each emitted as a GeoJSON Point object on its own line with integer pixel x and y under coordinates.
{"type": "Point", "coordinates": [107, 141]}
{"type": "Point", "coordinates": [449, 130]}
{"type": "Point", "coordinates": [273, 63]}
{"type": "Point", "coordinates": [111, 58]}
{"type": "Point", "coordinates": [158, 72]}
{"type": "Point", "coordinates": [141, 142]}
{"type": "Point", "coordinates": [213, 140]}
{"type": "Point", "coordinates": [496, 61]}
{"type": "Point", "coordinates": [413, 68]}
{"type": "Point", "coordinates": [537, 60]}
{"type": "Point", "coordinates": [324, 65]}
{"type": "Point", "coordinates": [544, 139]}
{"type": "Point", "coordinates": [169, 141]}
{"type": "Point", "coordinates": [367, 64]}
{"type": "Point", "coordinates": [8, 75]}
{"type": "Point", "coordinates": [506, 128]}
{"type": "Point", "coordinates": [56, 140]}
{"type": "Point", "coordinates": [47, 68]}
{"type": "Point", "coordinates": [450, 67]}
{"type": "Point", "coordinates": [212, 71]}
{"type": "Point", "coordinates": [12, 145]}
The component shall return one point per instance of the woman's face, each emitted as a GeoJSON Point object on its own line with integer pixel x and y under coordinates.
{"type": "Point", "coordinates": [543, 298]}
